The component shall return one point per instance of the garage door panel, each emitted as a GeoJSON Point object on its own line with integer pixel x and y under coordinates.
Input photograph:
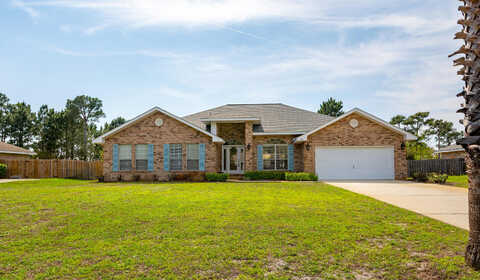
{"type": "Point", "coordinates": [355, 163]}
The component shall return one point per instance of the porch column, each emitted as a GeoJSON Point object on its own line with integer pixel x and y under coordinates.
{"type": "Point", "coordinates": [249, 159]}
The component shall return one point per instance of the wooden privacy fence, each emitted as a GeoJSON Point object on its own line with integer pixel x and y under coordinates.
{"type": "Point", "coordinates": [453, 167]}
{"type": "Point", "coordinates": [53, 168]}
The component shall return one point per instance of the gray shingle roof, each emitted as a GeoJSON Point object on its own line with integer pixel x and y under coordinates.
{"type": "Point", "coordinates": [275, 118]}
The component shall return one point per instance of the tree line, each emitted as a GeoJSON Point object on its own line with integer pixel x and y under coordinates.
{"type": "Point", "coordinates": [426, 129]}
{"type": "Point", "coordinates": [56, 134]}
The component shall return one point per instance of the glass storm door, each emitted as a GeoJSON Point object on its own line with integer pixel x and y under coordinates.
{"type": "Point", "coordinates": [233, 159]}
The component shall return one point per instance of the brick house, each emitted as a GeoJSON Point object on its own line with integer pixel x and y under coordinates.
{"type": "Point", "coordinates": [235, 138]}
{"type": "Point", "coordinates": [451, 152]}
{"type": "Point", "coordinates": [11, 152]}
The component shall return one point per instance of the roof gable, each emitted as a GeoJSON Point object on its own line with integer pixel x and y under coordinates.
{"type": "Point", "coordinates": [6, 148]}
{"type": "Point", "coordinates": [371, 117]}
{"type": "Point", "coordinates": [101, 139]}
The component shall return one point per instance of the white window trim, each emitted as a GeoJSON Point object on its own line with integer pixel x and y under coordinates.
{"type": "Point", "coordinates": [181, 157]}
{"type": "Point", "coordinates": [198, 148]}
{"type": "Point", "coordinates": [136, 157]}
{"type": "Point", "coordinates": [275, 156]}
{"type": "Point", "coordinates": [120, 159]}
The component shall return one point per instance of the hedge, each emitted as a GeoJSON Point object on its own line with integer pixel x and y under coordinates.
{"type": "Point", "coordinates": [3, 170]}
{"type": "Point", "coordinates": [301, 177]}
{"type": "Point", "coordinates": [265, 175]}
{"type": "Point", "coordinates": [216, 177]}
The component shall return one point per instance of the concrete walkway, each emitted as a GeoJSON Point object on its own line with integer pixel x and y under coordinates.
{"type": "Point", "coordinates": [443, 203]}
{"type": "Point", "coordinates": [15, 180]}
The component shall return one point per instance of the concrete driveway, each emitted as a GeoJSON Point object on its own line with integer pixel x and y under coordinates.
{"type": "Point", "coordinates": [443, 203]}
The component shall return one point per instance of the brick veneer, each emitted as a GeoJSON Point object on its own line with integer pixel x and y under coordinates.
{"type": "Point", "coordinates": [14, 156]}
{"type": "Point", "coordinates": [232, 133]}
{"type": "Point", "coordinates": [368, 133]}
{"type": "Point", "coordinates": [146, 132]}
{"type": "Point", "coordinates": [250, 162]}
{"type": "Point", "coordinates": [453, 155]}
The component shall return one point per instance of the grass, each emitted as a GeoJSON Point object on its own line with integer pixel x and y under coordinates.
{"type": "Point", "coordinates": [67, 229]}
{"type": "Point", "coordinates": [459, 181]}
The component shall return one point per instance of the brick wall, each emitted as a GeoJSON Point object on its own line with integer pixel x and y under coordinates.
{"type": "Point", "coordinates": [13, 156]}
{"type": "Point", "coordinates": [232, 133]}
{"type": "Point", "coordinates": [146, 132]}
{"type": "Point", "coordinates": [368, 133]}
{"type": "Point", "coordinates": [452, 155]}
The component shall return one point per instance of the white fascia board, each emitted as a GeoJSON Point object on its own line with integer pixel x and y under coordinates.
{"type": "Point", "coordinates": [449, 151]}
{"type": "Point", "coordinates": [101, 139]}
{"type": "Point", "coordinates": [18, 153]}
{"type": "Point", "coordinates": [407, 136]}
{"type": "Point", "coordinates": [277, 133]}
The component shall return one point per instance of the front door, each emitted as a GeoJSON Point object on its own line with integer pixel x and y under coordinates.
{"type": "Point", "coordinates": [233, 159]}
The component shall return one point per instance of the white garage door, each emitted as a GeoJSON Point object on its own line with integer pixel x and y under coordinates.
{"type": "Point", "coordinates": [341, 163]}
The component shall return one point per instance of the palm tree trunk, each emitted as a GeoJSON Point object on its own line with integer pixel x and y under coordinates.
{"type": "Point", "coordinates": [470, 61]}
{"type": "Point", "coordinates": [472, 254]}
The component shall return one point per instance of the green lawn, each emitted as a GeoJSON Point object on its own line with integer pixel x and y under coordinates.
{"type": "Point", "coordinates": [67, 229]}
{"type": "Point", "coordinates": [459, 181]}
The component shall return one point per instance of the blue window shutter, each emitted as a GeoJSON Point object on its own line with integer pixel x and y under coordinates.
{"type": "Point", "coordinates": [260, 157]}
{"type": "Point", "coordinates": [115, 158]}
{"type": "Point", "coordinates": [166, 157]}
{"type": "Point", "coordinates": [291, 159]}
{"type": "Point", "coordinates": [150, 157]}
{"type": "Point", "coordinates": [201, 150]}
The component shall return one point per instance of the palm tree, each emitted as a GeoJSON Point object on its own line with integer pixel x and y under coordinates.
{"type": "Point", "coordinates": [470, 71]}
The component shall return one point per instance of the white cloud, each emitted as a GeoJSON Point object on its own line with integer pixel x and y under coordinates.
{"type": "Point", "coordinates": [141, 52]}
{"type": "Point", "coordinates": [26, 8]}
{"type": "Point", "coordinates": [423, 18]}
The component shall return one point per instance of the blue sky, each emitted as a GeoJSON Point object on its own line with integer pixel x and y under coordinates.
{"type": "Point", "coordinates": [386, 57]}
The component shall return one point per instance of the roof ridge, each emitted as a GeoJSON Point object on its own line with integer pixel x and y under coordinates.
{"type": "Point", "coordinates": [243, 104]}
{"type": "Point", "coordinates": [301, 109]}
{"type": "Point", "coordinates": [211, 109]}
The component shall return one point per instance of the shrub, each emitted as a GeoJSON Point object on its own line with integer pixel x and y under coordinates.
{"type": "Point", "coordinates": [191, 176]}
{"type": "Point", "coordinates": [301, 176]}
{"type": "Point", "coordinates": [420, 177]}
{"type": "Point", "coordinates": [265, 175]}
{"type": "Point", "coordinates": [216, 177]}
{"type": "Point", "coordinates": [3, 170]}
{"type": "Point", "coordinates": [437, 178]}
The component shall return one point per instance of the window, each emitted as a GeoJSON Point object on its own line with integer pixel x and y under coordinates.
{"type": "Point", "coordinates": [208, 128]}
{"type": "Point", "coordinates": [175, 157]}
{"type": "Point", "coordinates": [269, 157]}
{"type": "Point", "coordinates": [193, 157]}
{"type": "Point", "coordinates": [125, 157]}
{"type": "Point", "coordinates": [275, 157]}
{"type": "Point", "coordinates": [141, 157]}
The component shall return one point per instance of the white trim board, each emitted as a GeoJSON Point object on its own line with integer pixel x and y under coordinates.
{"type": "Point", "coordinates": [450, 151]}
{"type": "Point", "coordinates": [408, 136]}
{"type": "Point", "coordinates": [101, 139]}
{"type": "Point", "coordinates": [277, 133]}
{"type": "Point", "coordinates": [18, 153]}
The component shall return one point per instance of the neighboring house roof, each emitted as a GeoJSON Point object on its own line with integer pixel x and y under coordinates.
{"type": "Point", "coordinates": [381, 122]}
{"type": "Point", "coordinates": [12, 149]}
{"type": "Point", "coordinates": [101, 139]}
{"type": "Point", "coordinates": [450, 149]}
{"type": "Point", "coordinates": [273, 118]}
